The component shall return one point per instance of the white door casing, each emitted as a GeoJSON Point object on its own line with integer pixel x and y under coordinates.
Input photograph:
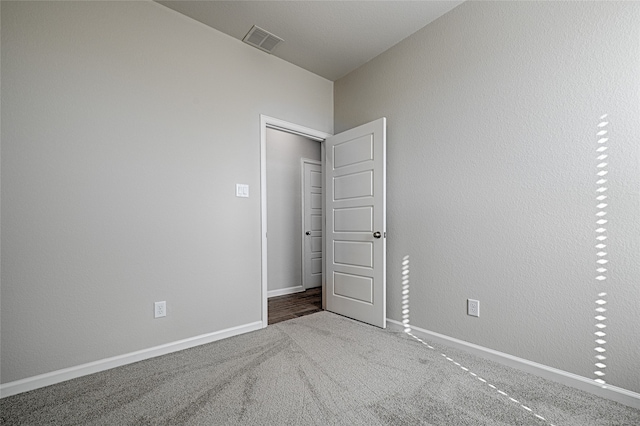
{"type": "Point", "coordinates": [275, 123]}
{"type": "Point", "coordinates": [311, 223]}
{"type": "Point", "coordinates": [355, 233]}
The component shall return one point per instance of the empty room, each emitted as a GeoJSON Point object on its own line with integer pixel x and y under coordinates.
{"type": "Point", "coordinates": [467, 212]}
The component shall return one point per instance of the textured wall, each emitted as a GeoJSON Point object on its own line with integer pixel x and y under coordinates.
{"type": "Point", "coordinates": [284, 208]}
{"type": "Point", "coordinates": [125, 127]}
{"type": "Point", "coordinates": [492, 119]}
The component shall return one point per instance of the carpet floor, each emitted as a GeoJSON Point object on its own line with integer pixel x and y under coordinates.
{"type": "Point", "coordinates": [320, 369]}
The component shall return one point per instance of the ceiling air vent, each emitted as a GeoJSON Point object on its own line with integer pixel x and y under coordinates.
{"type": "Point", "coordinates": [263, 40]}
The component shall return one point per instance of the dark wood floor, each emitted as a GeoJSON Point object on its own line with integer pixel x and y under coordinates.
{"type": "Point", "coordinates": [282, 308]}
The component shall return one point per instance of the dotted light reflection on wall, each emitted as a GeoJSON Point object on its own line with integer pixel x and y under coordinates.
{"type": "Point", "coordinates": [601, 254]}
{"type": "Point", "coordinates": [405, 294]}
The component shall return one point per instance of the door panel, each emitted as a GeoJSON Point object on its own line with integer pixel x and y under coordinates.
{"type": "Point", "coordinates": [316, 244]}
{"type": "Point", "coordinates": [316, 265]}
{"type": "Point", "coordinates": [353, 253]}
{"type": "Point", "coordinates": [315, 201]}
{"type": "Point", "coordinates": [353, 287]}
{"type": "Point", "coordinates": [355, 178]}
{"type": "Point", "coordinates": [355, 219]}
{"type": "Point", "coordinates": [353, 186]}
{"type": "Point", "coordinates": [354, 151]}
{"type": "Point", "coordinates": [316, 222]}
{"type": "Point", "coordinates": [316, 179]}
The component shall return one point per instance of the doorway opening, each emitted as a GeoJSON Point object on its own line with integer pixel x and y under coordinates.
{"type": "Point", "coordinates": [285, 149]}
{"type": "Point", "coordinates": [354, 232]}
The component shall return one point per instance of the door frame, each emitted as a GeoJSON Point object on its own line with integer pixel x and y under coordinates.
{"type": "Point", "coordinates": [304, 161]}
{"type": "Point", "coordinates": [285, 126]}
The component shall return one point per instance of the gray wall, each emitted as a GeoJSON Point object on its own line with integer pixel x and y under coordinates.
{"type": "Point", "coordinates": [492, 113]}
{"type": "Point", "coordinates": [284, 210]}
{"type": "Point", "coordinates": [125, 127]}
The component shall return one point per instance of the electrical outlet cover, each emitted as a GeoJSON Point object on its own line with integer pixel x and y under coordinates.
{"type": "Point", "coordinates": [473, 307]}
{"type": "Point", "coordinates": [160, 309]}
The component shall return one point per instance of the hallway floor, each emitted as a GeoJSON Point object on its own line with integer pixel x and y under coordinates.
{"type": "Point", "coordinates": [282, 308]}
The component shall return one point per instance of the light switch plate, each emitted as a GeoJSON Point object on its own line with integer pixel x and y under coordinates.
{"type": "Point", "coordinates": [242, 190]}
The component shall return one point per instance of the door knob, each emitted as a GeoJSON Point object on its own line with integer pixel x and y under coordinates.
{"type": "Point", "coordinates": [308, 233]}
{"type": "Point", "coordinates": [377, 234]}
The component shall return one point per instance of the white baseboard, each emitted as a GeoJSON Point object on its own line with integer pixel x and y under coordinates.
{"type": "Point", "coordinates": [42, 380]}
{"type": "Point", "coordinates": [283, 291]}
{"type": "Point", "coordinates": [614, 393]}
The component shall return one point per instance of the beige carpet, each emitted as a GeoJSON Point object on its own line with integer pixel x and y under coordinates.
{"type": "Point", "coordinates": [320, 369]}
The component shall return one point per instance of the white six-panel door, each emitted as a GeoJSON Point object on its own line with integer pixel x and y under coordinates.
{"type": "Point", "coordinates": [311, 223]}
{"type": "Point", "coordinates": [355, 185]}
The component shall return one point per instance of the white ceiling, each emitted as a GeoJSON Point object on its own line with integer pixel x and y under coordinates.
{"type": "Point", "coordinates": [328, 38]}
